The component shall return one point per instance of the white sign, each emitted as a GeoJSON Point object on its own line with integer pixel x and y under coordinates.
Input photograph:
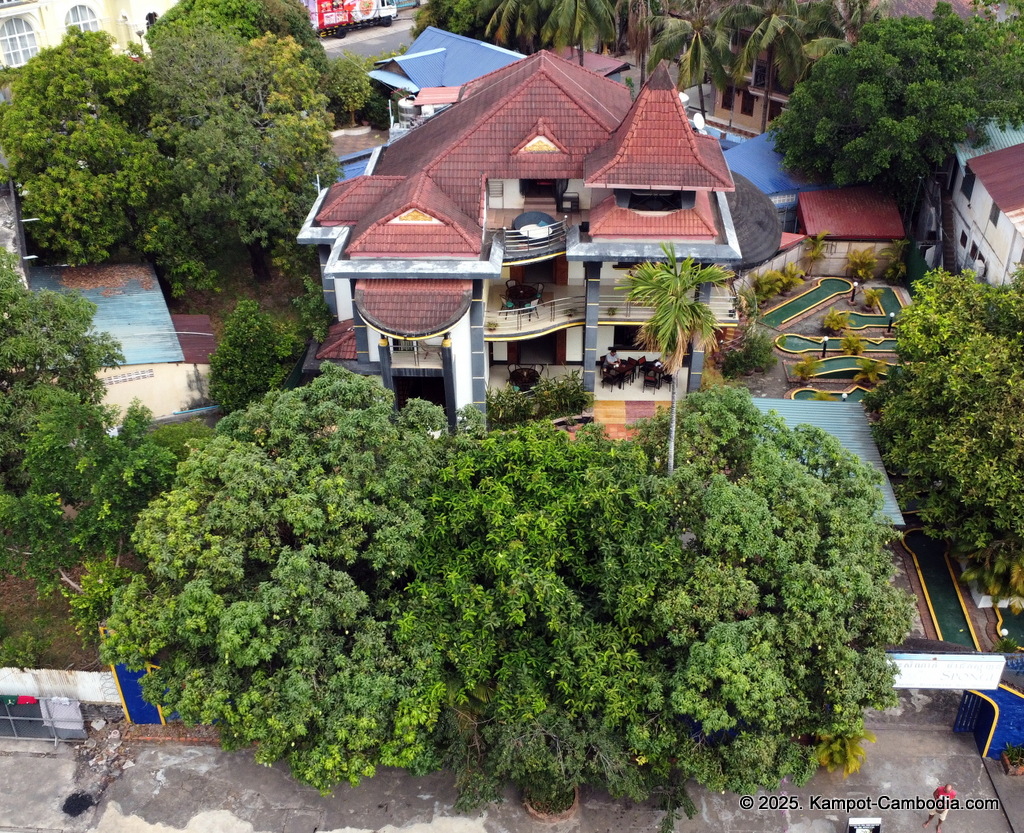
{"type": "Point", "coordinates": [954, 671]}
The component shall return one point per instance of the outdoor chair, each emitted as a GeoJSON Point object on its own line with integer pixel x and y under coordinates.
{"type": "Point", "coordinates": [652, 379]}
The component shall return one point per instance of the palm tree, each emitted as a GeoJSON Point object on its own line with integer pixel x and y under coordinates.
{"type": "Point", "coordinates": [517, 23]}
{"type": "Point", "coordinates": [639, 22]}
{"type": "Point", "coordinates": [999, 570]}
{"type": "Point", "coordinates": [847, 19]}
{"type": "Point", "coordinates": [778, 28]}
{"type": "Point", "coordinates": [572, 22]}
{"type": "Point", "coordinates": [678, 319]}
{"type": "Point", "coordinates": [692, 32]}
{"type": "Point", "coordinates": [814, 249]}
{"type": "Point", "coordinates": [871, 371]}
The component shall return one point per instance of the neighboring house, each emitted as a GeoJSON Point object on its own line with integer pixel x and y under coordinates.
{"type": "Point", "coordinates": [26, 26]}
{"type": "Point", "coordinates": [988, 205]}
{"type": "Point", "coordinates": [852, 218]}
{"type": "Point", "coordinates": [759, 161]}
{"type": "Point", "coordinates": [544, 180]}
{"type": "Point", "coordinates": [165, 369]}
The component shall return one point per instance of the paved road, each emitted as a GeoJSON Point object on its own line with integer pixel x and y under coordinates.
{"type": "Point", "coordinates": [172, 786]}
{"type": "Point", "coordinates": [374, 40]}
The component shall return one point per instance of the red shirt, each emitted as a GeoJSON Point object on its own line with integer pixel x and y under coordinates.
{"type": "Point", "coordinates": [942, 792]}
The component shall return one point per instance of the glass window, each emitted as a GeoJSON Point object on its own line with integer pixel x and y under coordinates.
{"type": "Point", "coordinates": [967, 185]}
{"type": "Point", "coordinates": [993, 215]}
{"type": "Point", "coordinates": [18, 42]}
{"type": "Point", "coordinates": [84, 18]}
{"type": "Point", "coordinates": [747, 104]}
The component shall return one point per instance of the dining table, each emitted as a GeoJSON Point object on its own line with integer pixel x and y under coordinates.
{"type": "Point", "coordinates": [522, 293]}
{"type": "Point", "coordinates": [524, 378]}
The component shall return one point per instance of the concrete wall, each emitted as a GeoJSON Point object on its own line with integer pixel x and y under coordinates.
{"type": "Point", "coordinates": [85, 686]}
{"type": "Point", "coordinates": [992, 250]}
{"type": "Point", "coordinates": [163, 388]}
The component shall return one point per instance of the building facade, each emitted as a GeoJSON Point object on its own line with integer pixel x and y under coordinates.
{"type": "Point", "coordinates": [497, 234]}
{"type": "Point", "coordinates": [26, 26]}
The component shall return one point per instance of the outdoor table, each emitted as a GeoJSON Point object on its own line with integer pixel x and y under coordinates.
{"type": "Point", "coordinates": [524, 378]}
{"type": "Point", "coordinates": [522, 293]}
{"type": "Point", "coordinates": [535, 219]}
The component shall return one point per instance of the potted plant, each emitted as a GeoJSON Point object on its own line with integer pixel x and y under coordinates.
{"type": "Point", "coordinates": [807, 368]}
{"type": "Point", "coordinates": [861, 263]}
{"type": "Point", "coordinates": [895, 253]}
{"type": "Point", "coordinates": [492, 325]}
{"type": "Point", "coordinates": [871, 371]}
{"type": "Point", "coordinates": [844, 752]}
{"type": "Point", "coordinates": [571, 312]}
{"type": "Point", "coordinates": [823, 396]}
{"type": "Point", "coordinates": [835, 321]}
{"type": "Point", "coordinates": [613, 311]}
{"type": "Point", "coordinates": [872, 299]}
{"type": "Point", "coordinates": [814, 250]}
{"type": "Point", "coordinates": [852, 344]}
{"type": "Point", "coordinates": [1013, 759]}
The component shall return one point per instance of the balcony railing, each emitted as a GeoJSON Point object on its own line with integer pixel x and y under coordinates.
{"type": "Point", "coordinates": [546, 316]}
{"type": "Point", "coordinates": [525, 248]}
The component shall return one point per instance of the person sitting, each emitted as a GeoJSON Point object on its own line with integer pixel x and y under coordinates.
{"type": "Point", "coordinates": [611, 358]}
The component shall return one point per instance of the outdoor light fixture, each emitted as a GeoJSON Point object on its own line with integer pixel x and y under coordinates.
{"type": "Point", "coordinates": [892, 315]}
{"type": "Point", "coordinates": [853, 294]}
{"type": "Point", "coordinates": [844, 396]}
{"type": "Point", "coordinates": [824, 346]}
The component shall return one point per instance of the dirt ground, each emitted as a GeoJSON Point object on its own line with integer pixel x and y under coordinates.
{"type": "Point", "coordinates": [46, 622]}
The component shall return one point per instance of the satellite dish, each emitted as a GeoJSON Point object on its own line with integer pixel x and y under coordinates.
{"type": "Point", "coordinates": [698, 122]}
{"type": "Point", "coordinates": [684, 98]}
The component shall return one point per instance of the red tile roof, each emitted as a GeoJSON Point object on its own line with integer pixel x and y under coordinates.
{"type": "Point", "coordinates": [1000, 173]}
{"type": "Point", "coordinates": [601, 64]}
{"type": "Point", "coordinates": [340, 343]}
{"type": "Point", "coordinates": [442, 230]}
{"type": "Point", "coordinates": [438, 95]}
{"type": "Point", "coordinates": [655, 147]}
{"type": "Point", "coordinates": [860, 213]}
{"type": "Point", "coordinates": [697, 223]}
{"type": "Point", "coordinates": [195, 335]}
{"type": "Point", "coordinates": [349, 201]}
{"type": "Point", "coordinates": [499, 113]}
{"type": "Point", "coordinates": [413, 308]}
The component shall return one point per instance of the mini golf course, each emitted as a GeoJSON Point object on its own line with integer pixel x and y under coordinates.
{"type": "Point", "coordinates": [839, 367]}
{"type": "Point", "coordinates": [799, 304]}
{"type": "Point", "coordinates": [941, 591]}
{"type": "Point", "coordinates": [807, 344]}
{"type": "Point", "coordinates": [855, 394]}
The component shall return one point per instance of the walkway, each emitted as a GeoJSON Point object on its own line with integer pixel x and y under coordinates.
{"type": "Point", "coordinates": [941, 589]}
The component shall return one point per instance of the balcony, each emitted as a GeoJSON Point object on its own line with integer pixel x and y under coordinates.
{"type": "Point", "coordinates": [547, 316]}
{"type": "Point", "coordinates": [530, 246]}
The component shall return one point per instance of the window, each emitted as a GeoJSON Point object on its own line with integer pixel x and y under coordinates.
{"type": "Point", "coordinates": [974, 251]}
{"type": "Point", "coordinates": [760, 75]}
{"type": "Point", "coordinates": [747, 105]}
{"type": "Point", "coordinates": [774, 110]}
{"type": "Point", "coordinates": [84, 18]}
{"type": "Point", "coordinates": [993, 215]}
{"type": "Point", "coordinates": [728, 95]}
{"type": "Point", "coordinates": [967, 184]}
{"type": "Point", "coordinates": [625, 337]}
{"type": "Point", "coordinates": [963, 240]}
{"type": "Point", "coordinates": [18, 42]}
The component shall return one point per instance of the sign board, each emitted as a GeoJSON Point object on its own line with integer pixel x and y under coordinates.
{"type": "Point", "coordinates": [952, 671]}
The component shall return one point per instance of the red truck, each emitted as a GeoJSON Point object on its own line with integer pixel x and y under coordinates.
{"type": "Point", "coordinates": [333, 18]}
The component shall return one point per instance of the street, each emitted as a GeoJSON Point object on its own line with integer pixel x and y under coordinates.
{"type": "Point", "coordinates": [374, 40]}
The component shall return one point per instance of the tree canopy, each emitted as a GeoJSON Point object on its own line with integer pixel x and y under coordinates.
{"type": "Point", "coordinates": [890, 108]}
{"type": "Point", "coordinates": [950, 413]}
{"type": "Point", "coordinates": [348, 589]}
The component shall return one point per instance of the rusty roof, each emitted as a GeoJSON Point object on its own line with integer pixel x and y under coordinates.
{"type": "Point", "coordinates": [340, 343]}
{"type": "Point", "coordinates": [1000, 173]}
{"type": "Point", "coordinates": [655, 147]}
{"type": "Point", "coordinates": [195, 335]}
{"type": "Point", "coordinates": [860, 213]}
{"type": "Point", "coordinates": [413, 308]}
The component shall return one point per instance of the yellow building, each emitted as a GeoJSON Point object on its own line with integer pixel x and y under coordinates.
{"type": "Point", "coordinates": [26, 26]}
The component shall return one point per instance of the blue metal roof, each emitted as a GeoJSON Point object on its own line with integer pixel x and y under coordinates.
{"type": "Point", "coordinates": [994, 139]}
{"type": "Point", "coordinates": [129, 306]}
{"type": "Point", "coordinates": [442, 59]}
{"type": "Point", "coordinates": [354, 164]}
{"type": "Point", "coordinates": [393, 80]}
{"type": "Point", "coordinates": [758, 161]}
{"type": "Point", "coordinates": [847, 422]}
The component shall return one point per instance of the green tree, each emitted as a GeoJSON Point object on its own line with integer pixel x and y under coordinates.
{"type": "Point", "coordinates": [72, 133]}
{"type": "Point", "coordinates": [889, 110]}
{"type": "Point", "coordinates": [249, 135]}
{"type": "Point", "coordinates": [693, 32]}
{"type": "Point", "coordinates": [950, 413]}
{"type": "Point", "coordinates": [678, 319]}
{"type": "Point", "coordinates": [574, 22]}
{"type": "Point", "coordinates": [463, 17]}
{"type": "Point", "coordinates": [244, 20]}
{"type": "Point", "coordinates": [85, 486]}
{"type": "Point", "coordinates": [47, 346]}
{"type": "Point", "coordinates": [251, 358]}
{"type": "Point", "coordinates": [348, 87]}
{"type": "Point", "coordinates": [272, 573]}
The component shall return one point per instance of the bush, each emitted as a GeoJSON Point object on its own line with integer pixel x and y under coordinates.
{"type": "Point", "coordinates": [376, 111]}
{"type": "Point", "coordinates": [181, 438]}
{"type": "Point", "coordinates": [22, 650]}
{"type": "Point", "coordinates": [252, 358]}
{"type": "Point", "coordinates": [757, 353]}
{"type": "Point", "coordinates": [564, 396]}
{"type": "Point", "coordinates": [852, 344]}
{"type": "Point", "coordinates": [835, 321]}
{"type": "Point", "coordinates": [508, 407]}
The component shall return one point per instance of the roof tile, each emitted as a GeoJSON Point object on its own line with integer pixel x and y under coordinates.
{"type": "Point", "coordinates": [413, 308]}
{"type": "Point", "coordinates": [859, 213]}
{"type": "Point", "coordinates": [697, 223]}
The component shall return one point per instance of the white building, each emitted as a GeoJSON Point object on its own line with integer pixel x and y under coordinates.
{"type": "Point", "coordinates": [26, 26]}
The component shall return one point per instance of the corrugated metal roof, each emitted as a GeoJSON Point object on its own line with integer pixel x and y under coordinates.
{"type": "Point", "coordinates": [354, 164]}
{"type": "Point", "coordinates": [195, 335]}
{"type": "Point", "coordinates": [1000, 173]}
{"type": "Point", "coordinates": [859, 213]}
{"type": "Point", "coordinates": [758, 161]}
{"type": "Point", "coordinates": [993, 139]}
{"type": "Point", "coordinates": [847, 422]}
{"type": "Point", "coordinates": [129, 306]}
{"type": "Point", "coordinates": [443, 59]}
{"type": "Point", "coordinates": [393, 80]}
{"type": "Point", "coordinates": [438, 95]}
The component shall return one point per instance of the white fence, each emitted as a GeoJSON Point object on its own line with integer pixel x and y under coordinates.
{"type": "Point", "coordinates": [832, 265]}
{"type": "Point", "coordinates": [84, 686]}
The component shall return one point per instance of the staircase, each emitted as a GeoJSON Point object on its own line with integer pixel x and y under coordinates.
{"type": "Point", "coordinates": [948, 239]}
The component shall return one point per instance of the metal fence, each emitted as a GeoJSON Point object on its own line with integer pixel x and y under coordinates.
{"type": "Point", "coordinates": [53, 718]}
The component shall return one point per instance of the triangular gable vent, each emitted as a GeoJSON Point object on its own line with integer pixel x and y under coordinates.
{"type": "Point", "coordinates": [414, 215]}
{"type": "Point", "coordinates": [540, 144]}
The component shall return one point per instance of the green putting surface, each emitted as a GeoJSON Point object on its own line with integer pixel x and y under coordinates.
{"type": "Point", "coordinates": [855, 395]}
{"type": "Point", "coordinates": [1013, 623]}
{"type": "Point", "coordinates": [890, 303]}
{"type": "Point", "coordinates": [828, 288]}
{"type": "Point", "coordinates": [941, 591]}
{"type": "Point", "coordinates": [808, 344]}
{"type": "Point", "coordinates": [839, 367]}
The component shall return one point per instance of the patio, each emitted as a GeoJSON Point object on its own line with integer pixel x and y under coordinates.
{"type": "Point", "coordinates": [498, 377]}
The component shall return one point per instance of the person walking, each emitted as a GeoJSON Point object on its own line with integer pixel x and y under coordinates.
{"type": "Point", "coordinates": [942, 795]}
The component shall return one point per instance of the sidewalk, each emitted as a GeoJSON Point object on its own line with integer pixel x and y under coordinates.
{"type": "Point", "coordinates": [176, 787]}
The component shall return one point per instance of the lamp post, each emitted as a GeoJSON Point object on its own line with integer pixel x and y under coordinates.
{"type": "Point", "coordinates": [853, 293]}
{"type": "Point", "coordinates": [844, 396]}
{"type": "Point", "coordinates": [824, 346]}
{"type": "Point", "coordinates": [892, 315]}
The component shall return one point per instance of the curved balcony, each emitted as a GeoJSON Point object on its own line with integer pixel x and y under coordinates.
{"type": "Point", "coordinates": [546, 317]}
{"type": "Point", "coordinates": [531, 246]}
